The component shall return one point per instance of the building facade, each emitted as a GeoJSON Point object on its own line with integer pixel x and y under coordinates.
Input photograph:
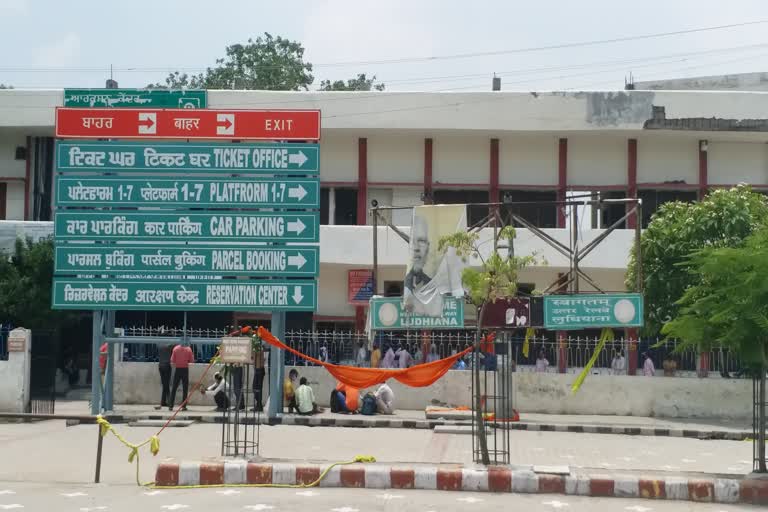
{"type": "Point", "coordinates": [408, 149]}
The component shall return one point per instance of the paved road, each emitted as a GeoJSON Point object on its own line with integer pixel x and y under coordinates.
{"type": "Point", "coordinates": [66, 454]}
{"type": "Point", "coordinates": [116, 498]}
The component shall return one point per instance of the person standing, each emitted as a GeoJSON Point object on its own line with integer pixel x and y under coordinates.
{"type": "Point", "coordinates": [541, 363]}
{"type": "Point", "coordinates": [181, 358]}
{"type": "Point", "coordinates": [164, 366]}
{"type": "Point", "coordinates": [258, 378]}
{"type": "Point", "coordinates": [404, 358]}
{"type": "Point", "coordinates": [649, 369]}
{"type": "Point", "coordinates": [375, 356]}
{"type": "Point", "coordinates": [618, 365]}
{"type": "Point", "coordinates": [289, 390]}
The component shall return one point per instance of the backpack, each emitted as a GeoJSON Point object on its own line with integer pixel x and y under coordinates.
{"type": "Point", "coordinates": [369, 405]}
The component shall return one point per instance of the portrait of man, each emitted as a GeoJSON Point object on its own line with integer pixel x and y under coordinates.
{"type": "Point", "coordinates": [431, 274]}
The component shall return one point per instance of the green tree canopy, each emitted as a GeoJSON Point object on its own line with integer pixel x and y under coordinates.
{"type": "Point", "coordinates": [26, 277]}
{"type": "Point", "coordinates": [360, 83]}
{"type": "Point", "coordinates": [3, 86]}
{"type": "Point", "coordinates": [728, 305]}
{"type": "Point", "coordinates": [266, 63]}
{"type": "Point", "coordinates": [724, 218]}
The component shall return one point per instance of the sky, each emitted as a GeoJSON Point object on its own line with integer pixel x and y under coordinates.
{"type": "Point", "coordinates": [55, 44]}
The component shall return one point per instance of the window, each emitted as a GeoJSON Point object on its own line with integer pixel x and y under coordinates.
{"type": "Point", "coordinates": [612, 212]}
{"type": "Point", "coordinates": [540, 215]}
{"type": "Point", "coordinates": [653, 199]}
{"type": "Point", "coordinates": [475, 214]}
{"type": "Point", "coordinates": [393, 288]}
{"type": "Point", "coordinates": [338, 206]}
{"type": "Point", "coordinates": [3, 199]}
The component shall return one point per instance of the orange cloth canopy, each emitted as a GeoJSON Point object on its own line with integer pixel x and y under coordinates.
{"type": "Point", "coordinates": [418, 376]}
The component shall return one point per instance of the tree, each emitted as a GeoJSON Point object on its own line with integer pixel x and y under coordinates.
{"type": "Point", "coordinates": [729, 304]}
{"type": "Point", "coordinates": [268, 63]}
{"type": "Point", "coordinates": [25, 286]}
{"type": "Point", "coordinates": [724, 218]}
{"type": "Point", "coordinates": [495, 278]}
{"type": "Point", "coordinates": [361, 83]}
{"type": "Point", "coordinates": [3, 86]}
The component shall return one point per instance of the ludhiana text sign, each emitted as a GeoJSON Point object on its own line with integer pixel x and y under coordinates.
{"type": "Point", "coordinates": [188, 192]}
{"type": "Point", "coordinates": [209, 157]}
{"type": "Point", "coordinates": [564, 312]}
{"type": "Point", "coordinates": [147, 98]}
{"type": "Point", "coordinates": [230, 295]}
{"type": "Point", "coordinates": [132, 123]}
{"type": "Point", "coordinates": [187, 260]}
{"type": "Point", "coordinates": [200, 227]}
{"type": "Point", "coordinates": [389, 313]}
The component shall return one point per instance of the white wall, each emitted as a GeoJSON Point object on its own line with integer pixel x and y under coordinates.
{"type": "Point", "coordinates": [396, 159]}
{"type": "Point", "coordinates": [597, 160]}
{"type": "Point", "coordinates": [14, 207]}
{"type": "Point", "coordinates": [463, 159]}
{"type": "Point", "coordinates": [549, 393]}
{"type": "Point", "coordinates": [729, 163]}
{"type": "Point", "coordinates": [338, 157]}
{"type": "Point", "coordinates": [332, 291]}
{"type": "Point", "coordinates": [528, 160]}
{"type": "Point", "coordinates": [661, 159]}
{"type": "Point", "coordinates": [15, 378]}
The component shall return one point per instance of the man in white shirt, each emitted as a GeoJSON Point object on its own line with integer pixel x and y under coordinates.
{"type": "Point", "coordinates": [219, 390]}
{"type": "Point", "coordinates": [305, 398]}
{"type": "Point", "coordinates": [385, 400]}
{"type": "Point", "coordinates": [618, 365]}
{"type": "Point", "coordinates": [404, 358]}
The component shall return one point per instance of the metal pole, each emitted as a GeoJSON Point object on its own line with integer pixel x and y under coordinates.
{"type": "Point", "coordinates": [97, 477]}
{"type": "Point", "coordinates": [375, 250]}
{"type": "Point", "coordinates": [95, 370]}
{"type": "Point", "coordinates": [276, 368]}
{"type": "Point", "coordinates": [575, 249]}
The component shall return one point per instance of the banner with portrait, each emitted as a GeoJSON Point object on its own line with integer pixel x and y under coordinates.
{"type": "Point", "coordinates": [431, 274]}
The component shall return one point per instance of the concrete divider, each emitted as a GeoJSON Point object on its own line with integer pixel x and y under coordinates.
{"type": "Point", "coordinates": [548, 393]}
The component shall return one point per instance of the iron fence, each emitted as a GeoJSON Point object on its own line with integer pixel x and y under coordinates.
{"type": "Point", "coordinates": [354, 348]}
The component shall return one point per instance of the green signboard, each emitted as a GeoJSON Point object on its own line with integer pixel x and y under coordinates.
{"type": "Point", "coordinates": [229, 295]}
{"type": "Point", "coordinates": [188, 192]}
{"type": "Point", "coordinates": [142, 98]}
{"type": "Point", "coordinates": [298, 261]}
{"type": "Point", "coordinates": [388, 313]}
{"type": "Point", "coordinates": [190, 157]}
{"type": "Point", "coordinates": [198, 227]}
{"type": "Point", "coordinates": [568, 312]}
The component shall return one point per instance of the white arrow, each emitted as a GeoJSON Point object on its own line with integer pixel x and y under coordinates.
{"type": "Point", "coordinates": [297, 192]}
{"type": "Point", "coordinates": [297, 261]}
{"type": "Point", "coordinates": [297, 296]}
{"type": "Point", "coordinates": [297, 227]}
{"type": "Point", "coordinates": [297, 158]}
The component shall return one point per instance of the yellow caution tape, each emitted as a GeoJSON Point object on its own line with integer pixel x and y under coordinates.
{"type": "Point", "coordinates": [154, 443]}
{"type": "Point", "coordinates": [607, 333]}
{"type": "Point", "coordinates": [529, 333]}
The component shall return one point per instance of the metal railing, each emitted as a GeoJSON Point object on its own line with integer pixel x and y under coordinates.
{"type": "Point", "coordinates": [344, 347]}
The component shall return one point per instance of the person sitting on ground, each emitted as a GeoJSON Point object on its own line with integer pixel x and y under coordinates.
{"type": "Point", "coordinates": [219, 391]}
{"type": "Point", "coordinates": [385, 399]}
{"type": "Point", "coordinates": [289, 390]}
{"type": "Point", "coordinates": [305, 399]}
{"type": "Point", "coordinates": [460, 364]}
{"type": "Point", "coordinates": [347, 399]}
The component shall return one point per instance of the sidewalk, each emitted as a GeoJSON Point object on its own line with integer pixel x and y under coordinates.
{"type": "Point", "coordinates": [699, 428]}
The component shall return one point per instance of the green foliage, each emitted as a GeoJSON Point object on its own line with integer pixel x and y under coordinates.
{"type": "Point", "coordinates": [728, 304]}
{"type": "Point", "coordinates": [26, 278]}
{"type": "Point", "coordinates": [723, 219]}
{"type": "Point", "coordinates": [361, 83]}
{"type": "Point", "coordinates": [267, 63]}
{"type": "Point", "coordinates": [3, 86]}
{"type": "Point", "coordinates": [496, 277]}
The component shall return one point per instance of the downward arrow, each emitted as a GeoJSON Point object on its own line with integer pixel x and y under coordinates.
{"type": "Point", "coordinates": [297, 261]}
{"type": "Point", "coordinates": [297, 296]}
{"type": "Point", "coordinates": [297, 192]}
{"type": "Point", "coordinates": [297, 158]}
{"type": "Point", "coordinates": [297, 227]}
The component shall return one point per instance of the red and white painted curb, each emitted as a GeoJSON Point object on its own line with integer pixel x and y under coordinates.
{"type": "Point", "coordinates": [453, 478]}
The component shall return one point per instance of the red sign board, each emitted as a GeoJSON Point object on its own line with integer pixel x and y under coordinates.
{"type": "Point", "coordinates": [134, 123]}
{"type": "Point", "coordinates": [360, 287]}
{"type": "Point", "coordinates": [510, 313]}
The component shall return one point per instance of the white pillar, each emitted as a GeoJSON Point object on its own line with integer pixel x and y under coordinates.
{"type": "Point", "coordinates": [15, 373]}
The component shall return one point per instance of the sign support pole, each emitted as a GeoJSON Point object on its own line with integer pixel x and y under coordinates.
{"type": "Point", "coordinates": [109, 378]}
{"type": "Point", "coordinates": [95, 370]}
{"type": "Point", "coordinates": [276, 366]}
